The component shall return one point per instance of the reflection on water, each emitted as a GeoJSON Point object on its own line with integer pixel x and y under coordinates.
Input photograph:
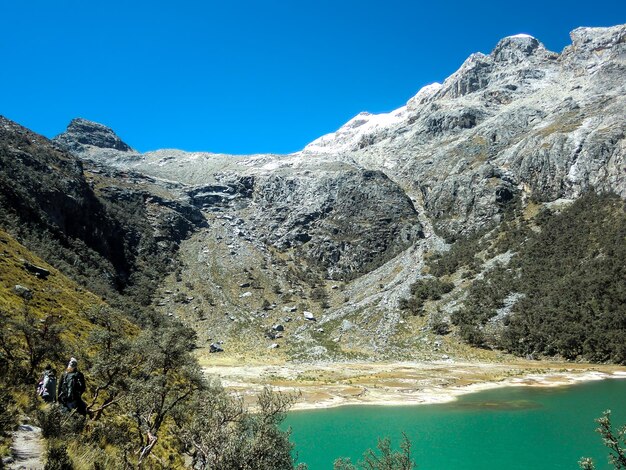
{"type": "Point", "coordinates": [499, 405]}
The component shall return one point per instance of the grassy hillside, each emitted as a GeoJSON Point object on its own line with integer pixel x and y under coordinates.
{"type": "Point", "coordinates": [45, 323]}
{"type": "Point", "coordinates": [55, 296]}
{"type": "Point", "coordinates": [148, 403]}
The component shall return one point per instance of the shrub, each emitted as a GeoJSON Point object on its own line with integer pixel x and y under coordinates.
{"type": "Point", "coordinates": [57, 458]}
{"type": "Point", "coordinates": [423, 290]}
{"type": "Point", "coordinates": [569, 274]}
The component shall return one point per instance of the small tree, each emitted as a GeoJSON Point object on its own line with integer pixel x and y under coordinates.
{"type": "Point", "coordinates": [225, 434]}
{"type": "Point", "coordinates": [387, 460]}
{"type": "Point", "coordinates": [112, 364]}
{"type": "Point", "coordinates": [167, 378]}
{"type": "Point", "coordinates": [26, 341]}
{"type": "Point", "coordinates": [614, 440]}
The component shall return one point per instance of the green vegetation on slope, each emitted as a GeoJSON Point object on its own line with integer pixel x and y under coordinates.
{"type": "Point", "coordinates": [421, 291]}
{"type": "Point", "coordinates": [147, 400]}
{"type": "Point", "coordinates": [108, 231]}
{"type": "Point", "coordinates": [548, 282]}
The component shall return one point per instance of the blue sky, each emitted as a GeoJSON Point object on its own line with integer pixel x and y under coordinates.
{"type": "Point", "coordinates": [248, 76]}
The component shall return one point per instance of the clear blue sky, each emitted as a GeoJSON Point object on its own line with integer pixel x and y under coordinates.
{"type": "Point", "coordinates": [248, 76]}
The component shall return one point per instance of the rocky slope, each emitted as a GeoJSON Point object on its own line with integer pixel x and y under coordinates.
{"type": "Point", "coordinates": [521, 121]}
{"type": "Point", "coordinates": [98, 224]}
{"type": "Point", "coordinates": [341, 229]}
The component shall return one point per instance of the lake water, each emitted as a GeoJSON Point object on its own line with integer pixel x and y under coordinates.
{"type": "Point", "coordinates": [506, 428]}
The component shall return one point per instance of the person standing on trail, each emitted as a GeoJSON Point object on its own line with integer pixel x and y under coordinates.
{"type": "Point", "coordinates": [71, 387]}
{"type": "Point", "coordinates": [47, 386]}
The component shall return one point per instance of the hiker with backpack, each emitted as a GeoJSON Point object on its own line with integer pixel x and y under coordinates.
{"type": "Point", "coordinates": [71, 387]}
{"type": "Point", "coordinates": [47, 386]}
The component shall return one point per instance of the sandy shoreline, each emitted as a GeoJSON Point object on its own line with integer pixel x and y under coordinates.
{"type": "Point", "coordinates": [445, 395]}
{"type": "Point", "coordinates": [325, 385]}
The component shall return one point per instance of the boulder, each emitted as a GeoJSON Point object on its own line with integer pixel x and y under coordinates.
{"type": "Point", "coordinates": [23, 292]}
{"type": "Point", "coordinates": [215, 348]}
{"type": "Point", "coordinates": [270, 334]}
{"type": "Point", "coordinates": [38, 271]}
{"type": "Point", "coordinates": [346, 325]}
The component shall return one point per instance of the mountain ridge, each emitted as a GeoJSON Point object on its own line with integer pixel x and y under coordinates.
{"type": "Point", "coordinates": [496, 103]}
{"type": "Point", "coordinates": [342, 229]}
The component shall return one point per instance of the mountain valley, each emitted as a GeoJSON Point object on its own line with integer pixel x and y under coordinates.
{"type": "Point", "coordinates": [340, 231]}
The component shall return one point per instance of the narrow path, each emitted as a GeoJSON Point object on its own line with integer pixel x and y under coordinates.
{"type": "Point", "coordinates": [27, 448]}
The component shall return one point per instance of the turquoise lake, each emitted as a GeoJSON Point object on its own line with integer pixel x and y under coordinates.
{"type": "Point", "coordinates": [506, 428]}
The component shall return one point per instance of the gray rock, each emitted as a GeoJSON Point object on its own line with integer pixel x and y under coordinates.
{"type": "Point", "coordinates": [346, 325]}
{"type": "Point", "coordinates": [94, 141]}
{"type": "Point", "coordinates": [343, 222]}
{"type": "Point", "coordinates": [83, 132]}
{"type": "Point", "coordinates": [309, 316]}
{"type": "Point", "coordinates": [23, 292]}
{"type": "Point", "coordinates": [215, 348]}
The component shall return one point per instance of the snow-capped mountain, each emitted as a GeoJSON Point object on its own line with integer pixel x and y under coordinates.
{"type": "Point", "coordinates": [362, 205]}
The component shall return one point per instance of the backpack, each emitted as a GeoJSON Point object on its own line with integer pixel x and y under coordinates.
{"type": "Point", "coordinates": [72, 387]}
{"type": "Point", "coordinates": [50, 385]}
{"type": "Point", "coordinates": [47, 385]}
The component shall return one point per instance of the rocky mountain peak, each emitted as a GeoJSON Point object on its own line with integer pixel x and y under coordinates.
{"type": "Point", "coordinates": [83, 132]}
{"type": "Point", "coordinates": [593, 48]}
{"type": "Point", "coordinates": [515, 49]}
{"type": "Point", "coordinates": [91, 140]}
{"type": "Point", "coordinates": [598, 38]}
{"type": "Point", "coordinates": [355, 133]}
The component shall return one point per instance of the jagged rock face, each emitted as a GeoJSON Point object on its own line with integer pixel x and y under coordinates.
{"type": "Point", "coordinates": [91, 140]}
{"type": "Point", "coordinates": [84, 132]}
{"type": "Point", "coordinates": [519, 122]}
{"type": "Point", "coordinates": [344, 222]}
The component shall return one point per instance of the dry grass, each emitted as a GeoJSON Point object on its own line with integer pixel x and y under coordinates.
{"type": "Point", "coordinates": [56, 296]}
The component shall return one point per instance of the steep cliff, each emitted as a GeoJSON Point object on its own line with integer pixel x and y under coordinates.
{"type": "Point", "coordinates": [102, 226]}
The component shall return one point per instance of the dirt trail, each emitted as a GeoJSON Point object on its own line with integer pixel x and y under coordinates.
{"type": "Point", "coordinates": [27, 448]}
